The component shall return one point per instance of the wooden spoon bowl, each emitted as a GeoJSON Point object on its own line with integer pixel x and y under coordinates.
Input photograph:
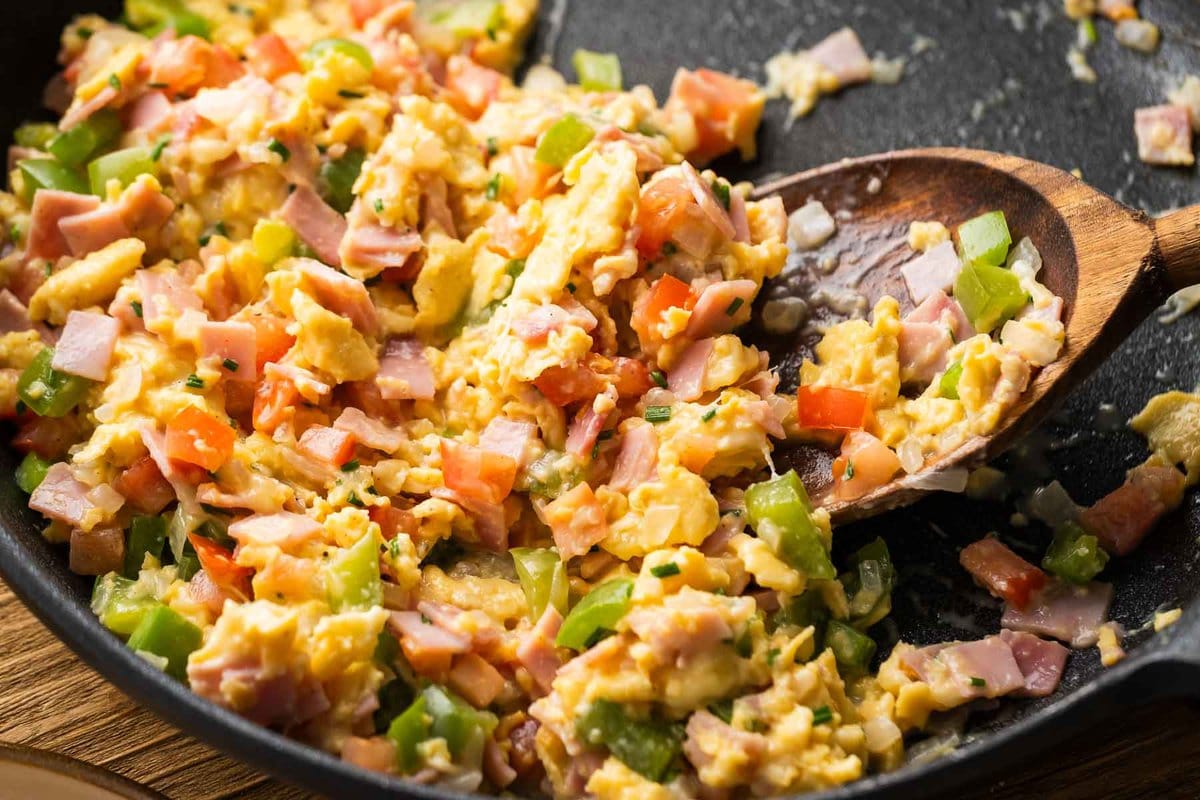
{"type": "Point", "coordinates": [1111, 265]}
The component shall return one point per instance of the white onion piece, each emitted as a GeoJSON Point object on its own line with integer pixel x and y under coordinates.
{"type": "Point", "coordinates": [695, 236]}
{"type": "Point", "coordinates": [881, 733]}
{"type": "Point", "coordinates": [1052, 505]}
{"type": "Point", "coordinates": [543, 78]}
{"type": "Point", "coordinates": [784, 315]}
{"type": "Point", "coordinates": [932, 748]}
{"type": "Point", "coordinates": [1188, 96]}
{"type": "Point", "coordinates": [946, 480]}
{"type": "Point", "coordinates": [1027, 254]}
{"type": "Point", "coordinates": [1138, 34]}
{"type": "Point", "coordinates": [811, 225]}
{"type": "Point", "coordinates": [1031, 341]}
{"type": "Point", "coordinates": [912, 458]}
{"type": "Point", "coordinates": [707, 201]}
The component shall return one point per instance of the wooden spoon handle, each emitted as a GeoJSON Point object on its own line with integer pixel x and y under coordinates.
{"type": "Point", "coordinates": [1179, 246]}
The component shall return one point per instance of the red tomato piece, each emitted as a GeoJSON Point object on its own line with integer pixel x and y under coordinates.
{"type": "Point", "coordinates": [195, 437]}
{"type": "Point", "coordinates": [571, 384]}
{"type": "Point", "coordinates": [222, 570]}
{"type": "Point", "coordinates": [1001, 571]}
{"type": "Point", "coordinates": [331, 445]}
{"type": "Point", "coordinates": [470, 87]}
{"type": "Point", "coordinates": [477, 473]}
{"type": "Point", "coordinates": [271, 57]}
{"type": "Point", "coordinates": [273, 401]}
{"type": "Point", "coordinates": [864, 465]}
{"type": "Point", "coordinates": [143, 486]}
{"type": "Point", "coordinates": [271, 339]}
{"type": "Point", "coordinates": [662, 207]}
{"type": "Point", "coordinates": [829, 408]}
{"type": "Point", "coordinates": [726, 109]}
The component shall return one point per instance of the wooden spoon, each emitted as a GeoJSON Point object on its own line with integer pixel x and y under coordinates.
{"type": "Point", "coordinates": [1111, 265]}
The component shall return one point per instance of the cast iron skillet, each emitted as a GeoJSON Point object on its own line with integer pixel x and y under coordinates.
{"type": "Point", "coordinates": [995, 79]}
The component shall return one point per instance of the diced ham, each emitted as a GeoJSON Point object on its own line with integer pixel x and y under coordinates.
{"type": "Point", "coordinates": [283, 529]}
{"type": "Point", "coordinates": [1040, 661]}
{"type": "Point", "coordinates": [490, 526]}
{"type": "Point", "coordinates": [769, 414]}
{"type": "Point", "coordinates": [328, 444]}
{"type": "Point", "coordinates": [737, 215]}
{"type": "Point", "coordinates": [537, 325]}
{"type": "Point", "coordinates": [686, 378]}
{"type": "Point", "coordinates": [1065, 612]}
{"type": "Point", "coordinates": [1164, 135]}
{"type": "Point", "coordinates": [576, 520]}
{"type": "Point", "coordinates": [537, 652]}
{"type": "Point", "coordinates": [80, 112]}
{"type": "Point", "coordinates": [684, 626]}
{"type": "Point", "coordinates": [61, 496]}
{"type": "Point", "coordinates": [475, 680]}
{"type": "Point", "coordinates": [1123, 517]}
{"type": "Point", "coordinates": [258, 493]}
{"type": "Point", "coordinates": [428, 647]}
{"type": "Point", "coordinates": [958, 672]}
{"type": "Point", "coordinates": [436, 204]}
{"type": "Point", "coordinates": [722, 306]}
{"type": "Point", "coordinates": [94, 230]}
{"type": "Point", "coordinates": [340, 293]}
{"type": "Point", "coordinates": [942, 309]}
{"type": "Point", "coordinates": [729, 526]}
{"type": "Point", "coordinates": [1002, 572]}
{"type": "Point", "coordinates": [637, 460]}
{"type": "Point", "coordinates": [150, 113]}
{"type": "Point", "coordinates": [842, 53]}
{"type": "Point", "coordinates": [710, 740]}
{"type": "Point", "coordinates": [311, 388]}
{"type": "Point", "coordinates": [232, 344]}
{"type": "Point", "coordinates": [144, 207]}
{"type": "Point", "coordinates": [923, 350]}
{"type": "Point", "coordinates": [495, 765]}
{"type": "Point", "coordinates": [932, 271]}
{"type": "Point", "coordinates": [50, 206]}
{"type": "Point", "coordinates": [377, 754]}
{"type": "Point", "coordinates": [267, 696]}
{"type": "Point", "coordinates": [86, 345]}
{"type": "Point", "coordinates": [14, 316]}
{"type": "Point", "coordinates": [585, 430]}
{"type": "Point", "coordinates": [707, 201]}
{"type": "Point", "coordinates": [648, 157]}
{"type": "Point", "coordinates": [318, 226]}
{"type": "Point", "coordinates": [165, 296]}
{"type": "Point", "coordinates": [202, 591]}
{"type": "Point", "coordinates": [377, 247]}
{"type": "Point", "coordinates": [404, 372]}
{"type": "Point", "coordinates": [97, 552]}
{"type": "Point", "coordinates": [509, 438]}
{"type": "Point", "coordinates": [370, 432]}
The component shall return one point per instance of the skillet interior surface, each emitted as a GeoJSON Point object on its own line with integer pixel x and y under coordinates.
{"type": "Point", "coordinates": [991, 76]}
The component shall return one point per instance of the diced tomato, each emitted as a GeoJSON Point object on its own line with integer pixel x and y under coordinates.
{"type": "Point", "coordinates": [363, 10]}
{"type": "Point", "coordinates": [198, 438]}
{"type": "Point", "coordinates": [331, 445]}
{"type": "Point", "coordinates": [1123, 517]}
{"type": "Point", "coordinates": [726, 110]}
{"type": "Point", "coordinates": [476, 473]}
{"type": "Point", "coordinates": [662, 207]}
{"type": "Point", "coordinates": [270, 57]}
{"type": "Point", "coordinates": [526, 177]}
{"type": "Point", "coordinates": [180, 65]}
{"type": "Point", "coordinates": [510, 237]}
{"type": "Point", "coordinates": [864, 465]}
{"type": "Point", "coordinates": [393, 521]}
{"type": "Point", "coordinates": [222, 570]}
{"type": "Point", "coordinates": [271, 339]}
{"type": "Point", "coordinates": [631, 377]}
{"type": "Point", "coordinates": [570, 384]}
{"type": "Point", "coordinates": [829, 408]}
{"type": "Point", "coordinates": [143, 486]}
{"type": "Point", "coordinates": [273, 400]}
{"type": "Point", "coordinates": [223, 68]}
{"type": "Point", "coordinates": [470, 88]}
{"type": "Point", "coordinates": [1001, 571]}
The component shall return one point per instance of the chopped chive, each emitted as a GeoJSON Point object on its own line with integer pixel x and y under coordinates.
{"type": "Point", "coordinates": [194, 381]}
{"type": "Point", "coordinates": [571, 288]}
{"type": "Point", "coordinates": [159, 147]}
{"type": "Point", "coordinates": [350, 94]}
{"type": "Point", "coordinates": [216, 230]}
{"type": "Point", "coordinates": [354, 501]}
{"type": "Point", "coordinates": [114, 81]}
{"type": "Point", "coordinates": [230, 365]}
{"type": "Point", "coordinates": [137, 308]}
{"type": "Point", "coordinates": [978, 681]}
{"type": "Point", "coordinates": [378, 205]}
{"type": "Point", "coordinates": [493, 146]}
{"type": "Point", "coordinates": [21, 407]}
{"type": "Point", "coordinates": [772, 655]}
{"type": "Point", "coordinates": [708, 415]}
{"type": "Point", "coordinates": [659, 379]}
{"type": "Point", "coordinates": [14, 233]}
{"type": "Point", "coordinates": [657, 414]}
{"type": "Point", "coordinates": [669, 249]}
{"type": "Point", "coordinates": [595, 451]}
{"type": "Point", "coordinates": [493, 187]}
{"type": "Point", "coordinates": [734, 306]}
{"type": "Point", "coordinates": [665, 570]}
{"type": "Point", "coordinates": [84, 33]}
{"type": "Point", "coordinates": [350, 466]}
{"type": "Point", "coordinates": [158, 85]}
{"type": "Point", "coordinates": [849, 474]}
{"type": "Point", "coordinates": [605, 435]}
{"type": "Point", "coordinates": [280, 149]}
{"type": "Point", "coordinates": [721, 190]}
{"type": "Point", "coordinates": [733, 512]}
{"type": "Point", "coordinates": [822, 715]}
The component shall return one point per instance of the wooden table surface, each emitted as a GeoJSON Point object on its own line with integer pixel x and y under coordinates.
{"type": "Point", "coordinates": [51, 700]}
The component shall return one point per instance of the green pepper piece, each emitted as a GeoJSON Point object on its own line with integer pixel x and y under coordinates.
{"type": "Point", "coordinates": [451, 718]}
{"type": "Point", "coordinates": [781, 514]}
{"type": "Point", "coordinates": [596, 613]}
{"type": "Point", "coordinates": [597, 72]}
{"type": "Point", "coordinates": [543, 579]}
{"type": "Point", "coordinates": [802, 611]}
{"type": "Point", "coordinates": [353, 576]}
{"type": "Point", "coordinates": [166, 634]}
{"type": "Point", "coordinates": [988, 295]}
{"type": "Point", "coordinates": [985, 239]}
{"type": "Point", "coordinates": [35, 135]}
{"type": "Point", "coordinates": [78, 145]}
{"type": "Point", "coordinates": [47, 392]}
{"type": "Point", "coordinates": [146, 535]}
{"type": "Point", "coordinates": [647, 746]}
{"type": "Point", "coordinates": [122, 165]}
{"type": "Point", "coordinates": [853, 650]}
{"type": "Point", "coordinates": [187, 565]}
{"type": "Point", "coordinates": [869, 586]}
{"type": "Point", "coordinates": [406, 732]}
{"type": "Point", "coordinates": [273, 241]}
{"type": "Point", "coordinates": [563, 140]}
{"type": "Point", "coordinates": [394, 699]}
{"type": "Point", "coordinates": [152, 17]}
{"type": "Point", "coordinates": [113, 604]}
{"type": "Point", "coordinates": [948, 385]}
{"type": "Point", "coordinates": [344, 46]}
{"type": "Point", "coordinates": [1074, 555]}
{"type": "Point", "coordinates": [46, 173]}
{"type": "Point", "coordinates": [31, 472]}
{"type": "Point", "coordinates": [469, 18]}
{"type": "Point", "coordinates": [336, 178]}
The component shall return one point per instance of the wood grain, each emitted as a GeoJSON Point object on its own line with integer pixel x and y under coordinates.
{"type": "Point", "coordinates": [51, 700]}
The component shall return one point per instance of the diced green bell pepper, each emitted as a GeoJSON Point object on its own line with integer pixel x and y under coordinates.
{"type": "Point", "coordinates": [451, 718]}
{"type": "Point", "coordinates": [563, 140]}
{"type": "Point", "coordinates": [988, 295]}
{"type": "Point", "coordinates": [394, 698]}
{"type": "Point", "coordinates": [36, 135]}
{"type": "Point", "coordinates": [802, 611]}
{"type": "Point", "coordinates": [78, 145]}
{"type": "Point", "coordinates": [147, 535]}
{"type": "Point", "coordinates": [113, 604]}
{"type": "Point", "coordinates": [353, 576]}
{"type": "Point", "coordinates": [1074, 555]}
{"type": "Point", "coordinates": [344, 46]}
{"type": "Point", "coordinates": [336, 178]}
{"type": "Point", "coordinates": [948, 385]}
{"type": "Point", "coordinates": [407, 731]}
{"type": "Point", "coordinates": [46, 173]}
{"type": "Point", "coordinates": [781, 514]}
{"type": "Point", "coordinates": [47, 392]}
{"type": "Point", "coordinates": [166, 634]}
{"type": "Point", "coordinates": [869, 585]}
{"type": "Point", "coordinates": [543, 579]}
{"type": "Point", "coordinates": [273, 241]}
{"type": "Point", "coordinates": [152, 17]}
{"type": "Point", "coordinates": [598, 612]}
{"type": "Point", "coordinates": [597, 72]}
{"type": "Point", "coordinates": [469, 18]}
{"type": "Point", "coordinates": [985, 239]}
{"type": "Point", "coordinates": [852, 649]}
{"type": "Point", "coordinates": [31, 472]}
{"type": "Point", "coordinates": [122, 165]}
{"type": "Point", "coordinates": [649, 747]}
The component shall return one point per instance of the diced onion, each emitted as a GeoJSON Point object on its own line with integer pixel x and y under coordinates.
{"type": "Point", "coordinates": [1138, 34]}
{"type": "Point", "coordinates": [1052, 505]}
{"type": "Point", "coordinates": [1031, 341]}
{"type": "Point", "coordinates": [912, 457]}
{"type": "Point", "coordinates": [543, 78]}
{"type": "Point", "coordinates": [811, 225]}
{"type": "Point", "coordinates": [946, 480]}
{"type": "Point", "coordinates": [881, 734]}
{"type": "Point", "coordinates": [784, 315]}
{"type": "Point", "coordinates": [1024, 259]}
{"type": "Point", "coordinates": [933, 748]}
